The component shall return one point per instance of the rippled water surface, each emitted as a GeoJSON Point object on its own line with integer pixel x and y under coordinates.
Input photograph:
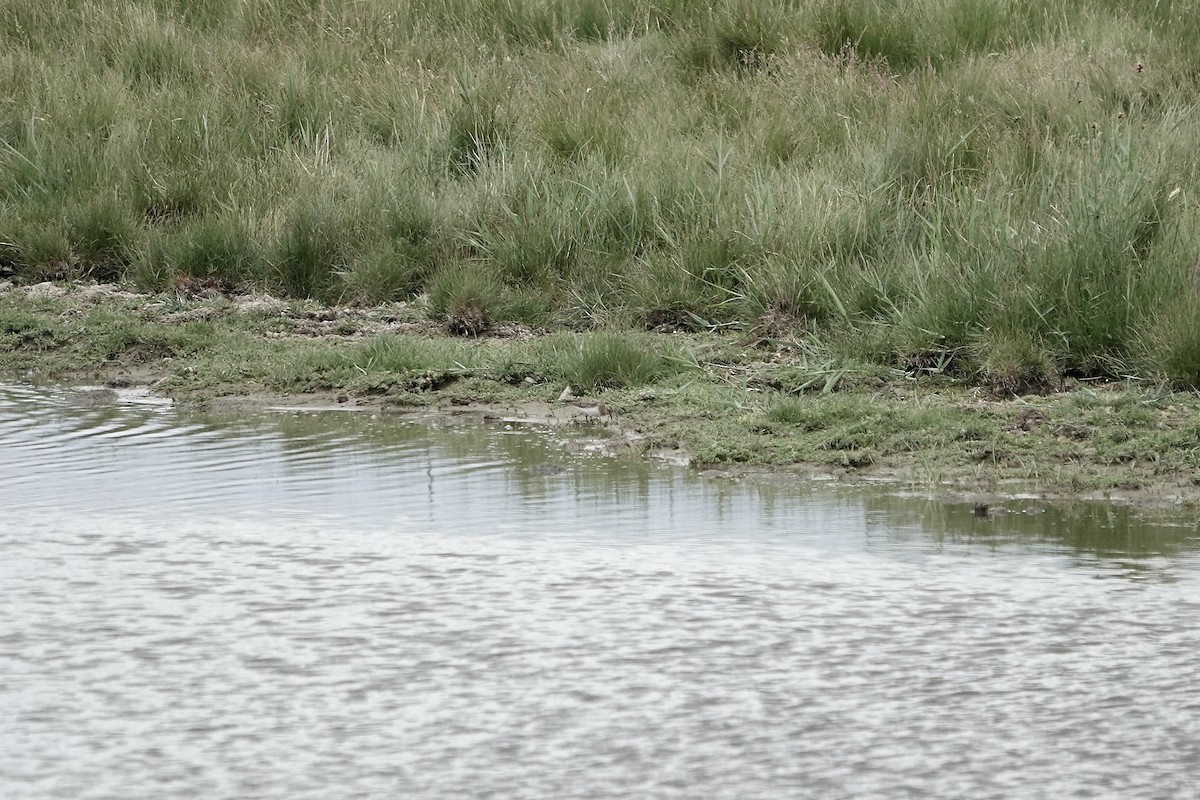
{"type": "Point", "coordinates": [334, 606]}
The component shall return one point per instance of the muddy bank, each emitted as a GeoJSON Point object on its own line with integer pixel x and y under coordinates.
{"type": "Point", "coordinates": [618, 438]}
{"type": "Point", "coordinates": [735, 411]}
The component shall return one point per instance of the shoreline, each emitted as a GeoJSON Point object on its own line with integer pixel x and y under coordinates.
{"type": "Point", "coordinates": [1130, 444]}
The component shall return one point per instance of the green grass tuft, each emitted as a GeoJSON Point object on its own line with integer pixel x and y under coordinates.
{"type": "Point", "coordinates": [469, 300]}
{"type": "Point", "coordinates": [606, 360]}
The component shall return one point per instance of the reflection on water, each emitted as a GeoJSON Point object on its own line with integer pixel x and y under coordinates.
{"type": "Point", "coordinates": [1111, 540]}
{"type": "Point", "coordinates": [150, 462]}
{"type": "Point", "coordinates": [340, 606]}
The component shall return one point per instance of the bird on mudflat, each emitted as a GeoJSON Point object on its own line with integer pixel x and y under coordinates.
{"type": "Point", "coordinates": [589, 408]}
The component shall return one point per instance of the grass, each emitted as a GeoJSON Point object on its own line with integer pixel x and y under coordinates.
{"type": "Point", "coordinates": [605, 360]}
{"type": "Point", "coordinates": [998, 191]}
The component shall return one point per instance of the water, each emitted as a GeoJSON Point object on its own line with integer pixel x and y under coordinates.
{"type": "Point", "coordinates": [333, 606]}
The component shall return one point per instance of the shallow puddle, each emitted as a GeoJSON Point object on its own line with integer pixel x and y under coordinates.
{"type": "Point", "coordinates": [335, 605]}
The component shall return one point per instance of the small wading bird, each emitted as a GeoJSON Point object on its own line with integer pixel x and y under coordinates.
{"type": "Point", "coordinates": [593, 409]}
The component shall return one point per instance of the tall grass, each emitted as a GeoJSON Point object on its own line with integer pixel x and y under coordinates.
{"type": "Point", "coordinates": [991, 188]}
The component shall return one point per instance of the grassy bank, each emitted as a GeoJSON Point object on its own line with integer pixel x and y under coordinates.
{"type": "Point", "coordinates": [998, 191]}
{"type": "Point", "coordinates": [722, 402]}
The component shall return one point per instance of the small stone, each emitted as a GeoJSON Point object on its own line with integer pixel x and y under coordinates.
{"type": "Point", "coordinates": [45, 289]}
